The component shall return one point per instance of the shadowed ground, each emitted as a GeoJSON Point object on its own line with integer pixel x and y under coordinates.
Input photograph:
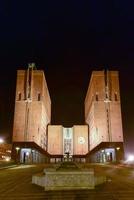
{"type": "Point", "coordinates": [15, 184]}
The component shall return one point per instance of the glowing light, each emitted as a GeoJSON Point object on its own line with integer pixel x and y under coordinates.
{"type": "Point", "coordinates": [7, 159]}
{"type": "Point", "coordinates": [118, 148]}
{"type": "Point", "coordinates": [27, 153]}
{"type": "Point", "coordinates": [130, 158]}
{"type": "Point", "coordinates": [108, 153]}
{"type": "Point", "coordinates": [8, 151]}
{"type": "Point", "coordinates": [17, 148]}
{"type": "Point", "coordinates": [102, 150]}
{"type": "Point", "coordinates": [1, 141]}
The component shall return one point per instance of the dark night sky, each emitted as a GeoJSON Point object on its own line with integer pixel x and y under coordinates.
{"type": "Point", "coordinates": [68, 39]}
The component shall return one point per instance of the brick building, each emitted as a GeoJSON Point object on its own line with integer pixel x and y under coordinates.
{"type": "Point", "coordinates": [36, 140]}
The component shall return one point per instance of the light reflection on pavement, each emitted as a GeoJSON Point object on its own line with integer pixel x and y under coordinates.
{"type": "Point", "coordinates": [22, 167]}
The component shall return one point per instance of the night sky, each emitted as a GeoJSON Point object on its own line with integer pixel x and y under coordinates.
{"type": "Point", "coordinates": [67, 39]}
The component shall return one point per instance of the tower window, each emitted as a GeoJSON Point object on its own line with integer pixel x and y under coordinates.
{"type": "Point", "coordinates": [29, 82]}
{"type": "Point", "coordinates": [106, 96]}
{"type": "Point", "coordinates": [96, 97]}
{"type": "Point", "coordinates": [19, 97]}
{"type": "Point", "coordinates": [38, 96]}
{"type": "Point", "coordinates": [115, 97]}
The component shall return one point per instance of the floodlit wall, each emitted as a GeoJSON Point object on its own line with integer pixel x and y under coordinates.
{"type": "Point", "coordinates": [32, 107]}
{"type": "Point", "coordinates": [103, 109]}
{"type": "Point", "coordinates": [80, 139]}
{"type": "Point", "coordinates": [55, 139]}
{"type": "Point", "coordinates": [73, 140]}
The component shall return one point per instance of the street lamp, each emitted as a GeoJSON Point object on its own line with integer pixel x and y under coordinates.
{"type": "Point", "coordinates": [17, 150]}
{"type": "Point", "coordinates": [1, 141]}
{"type": "Point", "coordinates": [118, 148]}
{"type": "Point", "coordinates": [1, 147]}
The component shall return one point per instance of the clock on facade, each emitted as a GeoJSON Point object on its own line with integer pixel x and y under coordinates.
{"type": "Point", "coordinates": [81, 140]}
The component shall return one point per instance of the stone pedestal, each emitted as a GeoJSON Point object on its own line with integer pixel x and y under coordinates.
{"type": "Point", "coordinates": [67, 177]}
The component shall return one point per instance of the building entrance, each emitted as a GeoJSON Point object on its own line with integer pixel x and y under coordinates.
{"type": "Point", "coordinates": [67, 141]}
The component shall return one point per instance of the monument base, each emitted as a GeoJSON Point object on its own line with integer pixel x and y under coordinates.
{"type": "Point", "coordinates": [67, 177]}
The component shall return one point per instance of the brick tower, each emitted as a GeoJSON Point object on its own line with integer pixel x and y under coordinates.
{"type": "Point", "coordinates": [32, 108]}
{"type": "Point", "coordinates": [103, 115]}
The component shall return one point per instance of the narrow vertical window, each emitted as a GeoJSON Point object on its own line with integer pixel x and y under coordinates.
{"type": "Point", "coordinates": [115, 97]}
{"type": "Point", "coordinates": [29, 82]}
{"type": "Point", "coordinates": [38, 96]}
{"type": "Point", "coordinates": [106, 96]}
{"type": "Point", "coordinates": [96, 97]}
{"type": "Point", "coordinates": [19, 98]}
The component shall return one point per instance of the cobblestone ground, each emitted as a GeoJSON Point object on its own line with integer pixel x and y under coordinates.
{"type": "Point", "coordinates": [15, 184]}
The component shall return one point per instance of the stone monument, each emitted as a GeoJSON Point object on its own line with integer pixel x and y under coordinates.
{"type": "Point", "coordinates": [67, 176]}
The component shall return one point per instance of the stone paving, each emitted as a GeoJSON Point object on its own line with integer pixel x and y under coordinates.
{"type": "Point", "coordinates": [15, 184]}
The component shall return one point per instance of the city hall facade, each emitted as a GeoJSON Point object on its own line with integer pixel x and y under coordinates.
{"type": "Point", "coordinates": [36, 140]}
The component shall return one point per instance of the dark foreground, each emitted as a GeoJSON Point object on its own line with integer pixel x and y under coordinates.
{"type": "Point", "coordinates": [15, 184]}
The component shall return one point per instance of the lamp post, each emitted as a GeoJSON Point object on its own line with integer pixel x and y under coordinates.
{"type": "Point", "coordinates": [1, 147]}
{"type": "Point", "coordinates": [17, 153]}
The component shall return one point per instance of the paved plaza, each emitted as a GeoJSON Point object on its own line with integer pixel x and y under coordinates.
{"type": "Point", "coordinates": [15, 184]}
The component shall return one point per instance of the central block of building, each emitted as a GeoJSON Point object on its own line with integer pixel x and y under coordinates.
{"type": "Point", "coordinates": [73, 140]}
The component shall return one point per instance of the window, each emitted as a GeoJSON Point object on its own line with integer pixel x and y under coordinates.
{"type": "Point", "coordinates": [96, 97]}
{"type": "Point", "coordinates": [38, 96]}
{"type": "Point", "coordinates": [115, 97]}
{"type": "Point", "coordinates": [29, 82]}
{"type": "Point", "coordinates": [106, 96]}
{"type": "Point", "coordinates": [19, 96]}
